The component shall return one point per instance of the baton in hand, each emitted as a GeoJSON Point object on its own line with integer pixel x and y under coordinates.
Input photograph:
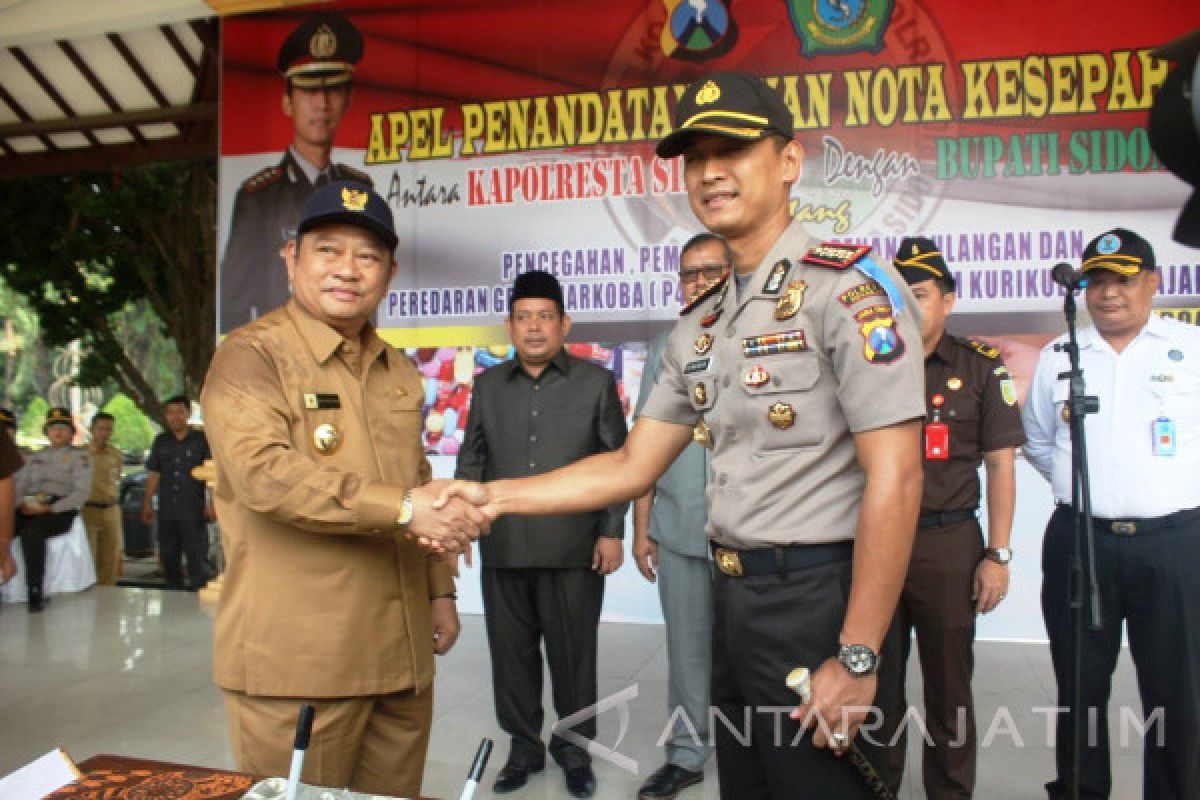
{"type": "Point", "coordinates": [477, 766]}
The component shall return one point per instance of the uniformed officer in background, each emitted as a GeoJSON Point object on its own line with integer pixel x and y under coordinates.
{"type": "Point", "coordinates": [317, 65]}
{"type": "Point", "coordinates": [101, 514]}
{"type": "Point", "coordinates": [812, 392]}
{"type": "Point", "coordinates": [971, 417]}
{"type": "Point", "coordinates": [1143, 452]}
{"type": "Point", "coordinates": [8, 422]}
{"type": "Point", "coordinates": [51, 488]}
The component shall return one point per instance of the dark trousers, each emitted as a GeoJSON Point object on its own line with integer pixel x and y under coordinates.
{"type": "Point", "coordinates": [936, 603]}
{"type": "Point", "coordinates": [34, 530]}
{"type": "Point", "coordinates": [764, 627]}
{"type": "Point", "coordinates": [522, 608]}
{"type": "Point", "coordinates": [1149, 581]}
{"type": "Point", "coordinates": [179, 539]}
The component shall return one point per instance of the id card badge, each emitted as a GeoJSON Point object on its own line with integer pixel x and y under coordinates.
{"type": "Point", "coordinates": [937, 441]}
{"type": "Point", "coordinates": [1164, 437]}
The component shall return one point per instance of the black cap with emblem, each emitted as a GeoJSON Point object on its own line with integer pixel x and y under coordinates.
{"type": "Point", "coordinates": [919, 259]}
{"type": "Point", "coordinates": [8, 418]}
{"type": "Point", "coordinates": [352, 204]}
{"type": "Point", "coordinates": [322, 51]}
{"type": "Point", "coordinates": [733, 104]}
{"type": "Point", "coordinates": [59, 416]}
{"type": "Point", "coordinates": [1119, 250]}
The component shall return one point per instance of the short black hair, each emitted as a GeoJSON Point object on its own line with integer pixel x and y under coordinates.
{"type": "Point", "coordinates": [705, 238]}
{"type": "Point", "coordinates": [99, 415]}
{"type": "Point", "coordinates": [178, 399]}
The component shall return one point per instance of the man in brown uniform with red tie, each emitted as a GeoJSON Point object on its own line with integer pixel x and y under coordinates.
{"type": "Point", "coordinates": [971, 417]}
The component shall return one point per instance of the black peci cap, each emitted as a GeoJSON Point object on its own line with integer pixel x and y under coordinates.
{"type": "Point", "coordinates": [322, 51]}
{"type": "Point", "coordinates": [1119, 250]}
{"type": "Point", "coordinates": [918, 259]}
{"type": "Point", "coordinates": [536, 283]}
{"type": "Point", "coordinates": [732, 104]}
{"type": "Point", "coordinates": [353, 204]}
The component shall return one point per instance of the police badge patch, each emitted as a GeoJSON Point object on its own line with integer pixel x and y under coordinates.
{"type": "Point", "coordinates": [881, 341]}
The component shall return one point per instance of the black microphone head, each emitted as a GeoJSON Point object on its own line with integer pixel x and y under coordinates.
{"type": "Point", "coordinates": [1066, 276]}
{"type": "Point", "coordinates": [304, 726]}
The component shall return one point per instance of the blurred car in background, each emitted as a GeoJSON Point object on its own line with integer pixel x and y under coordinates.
{"type": "Point", "coordinates": [139, 537]}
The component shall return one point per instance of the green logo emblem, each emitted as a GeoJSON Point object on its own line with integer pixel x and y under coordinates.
{"type": "Point", "coordinates": [840, 26]}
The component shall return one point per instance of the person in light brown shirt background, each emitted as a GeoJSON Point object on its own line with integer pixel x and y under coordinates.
{"type": "Point", "coordinates": [101, 512]}
{"type": "Point", "coordinates": [324, 498]}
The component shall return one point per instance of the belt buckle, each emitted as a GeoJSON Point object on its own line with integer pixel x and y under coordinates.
{"type": "Point", "coordinates": [729, 562]}
{"type": "Point", "coordinates": [1124, 527]}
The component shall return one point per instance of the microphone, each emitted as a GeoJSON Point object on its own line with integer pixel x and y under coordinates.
{"type": "Point", "coordinates": [1067, 277]}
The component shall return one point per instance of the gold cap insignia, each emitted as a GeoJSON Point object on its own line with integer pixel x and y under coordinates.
{"type": "Point", "coordinates": [323, 43]}
{"type": "Point", "coordinates": [354, 199]}
{"type": "Point", "coordinates": [326, 438]}
{"type": "Point", "coordinates": [709, 93]}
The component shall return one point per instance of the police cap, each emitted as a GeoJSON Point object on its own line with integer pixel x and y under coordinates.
{"type": "Point", "coordinates": [1119, 250]}
{"type": "Point", "coordinates": [322, 51]}
{"type": "Point", "coordinates": [352, 204]}
{"type": "Point", "coordinates": [732, 104]}
{"type": "Point", "coordinates": [7, 417]}
{"type": "Point", "coordinates": [918, 259]}
{"type": "Point", "coordinates": [59, 416]}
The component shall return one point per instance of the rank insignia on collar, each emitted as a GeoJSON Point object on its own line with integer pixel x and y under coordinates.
{"type": "Point", "coordinates": [954, 384]}
{"type": "Point", "coordinates": [710, 318]}
{"type": "Point", "coordinates": [782, 415]}
{"type": "Point", "coordinates": [326, 438]}
{"type": "Point", "coordinates": [792, 299]}
{"type": "Point", "coordinates": [717, 286]}
{"type": "Point", "coordinates": [984, 349]}
{"type": "Point", "coordinates": [700, 394]}
{"type": "Point", "coordinates": [703, 343]}
{"type": "Point", "coordinates": [756, 376]}
{"type": "Point", "coordinates": [775, 279]}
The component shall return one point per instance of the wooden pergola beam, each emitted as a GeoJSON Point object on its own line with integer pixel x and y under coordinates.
{"type": "Point", "coordinates": [196, 112]}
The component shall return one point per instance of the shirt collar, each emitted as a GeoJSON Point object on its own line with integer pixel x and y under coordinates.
{"type": "Point", "coordinates": [792, 244]}
{"type": "Point", "coordinates": [323, 341]}
{"type": "Point", "coordinates": [560, 361]}
{"type": "Point", "coordinates": [307, 167]}
{"type": "Point", "coordinates": [1089, 337]}
{"type": "Point", "coordinates": [944, 349]}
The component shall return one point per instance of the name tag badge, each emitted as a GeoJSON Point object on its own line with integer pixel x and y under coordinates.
{"type": "Point", "coordinates": [937, 441]}
{"type": "Point", "coordinates": [1164, 437]}
{"type": "Point", "coordinates": [314, 401]}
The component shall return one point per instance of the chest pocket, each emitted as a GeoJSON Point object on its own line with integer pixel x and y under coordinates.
{"type": "Point", "coordinates": [961, 414]}
{"type": "Point", "coordinates": [782, 374]}
{"type": "Point", "coordinates": [777, 389]}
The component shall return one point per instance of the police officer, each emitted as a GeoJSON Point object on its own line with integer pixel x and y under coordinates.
{"type": "Point", "coordinates": [317, 65]}
{"type": "Point", "coordinates": [812, 394]}
{"type": "Point", "coordinates": [51, 488]}
{"type": "Point", "coordinates": [101, 514]}
{"type": "Point", "coordinates": [971, 417]}
{"type": "Point", "coordinates": [1143, 450]}
{"type": "Point", "coordinates": [315, 424]}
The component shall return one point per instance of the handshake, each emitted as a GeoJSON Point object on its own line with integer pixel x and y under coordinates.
{"type": "Point", "coordinates": [449, 514]}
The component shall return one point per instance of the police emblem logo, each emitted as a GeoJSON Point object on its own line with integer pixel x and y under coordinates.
{"type": "Point", "coordinates": [775, 278]}
{"type": "Point", "coordinates": [793, 297]}
{"type": "Point", "coordinates": [782, 415]}
{"type": "Point", "coordinates": [709, 93]}
{"type": "Point", "coordinates": [756, 376]}
{"type": "Point", "coordinates": [323, 43]}
{"type": "Point", "coordinates": [354, 199]}
{"type": "Point", "coordinates": [954, 384]}
{"type": "Point", "coordinates": [697, 31]}
{"type": "Point", "coordinates": [1109, 243]}
{"type": "Point", "coordinates": [700, 394]}
{"type": "Point", "coordinates": [702, 344]}
{"type": "Point", "coordinates": [881, 341]}
{"type": "Point", "coordinates": [326, 438]}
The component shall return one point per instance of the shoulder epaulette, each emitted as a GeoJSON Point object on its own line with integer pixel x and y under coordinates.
{"type": "Point", "coordinates": [356, 174]}
{"type": "Point", "coordinates": [262, 178]}
{"type": "Point", "coordinates": [984, 349]}
{"type": "Point", "coordinates": [708, 292]}
{"type": "Point", "coordinates": [835, 255]}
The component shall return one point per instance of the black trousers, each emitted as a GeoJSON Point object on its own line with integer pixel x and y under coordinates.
{"type": "Point", "coordinates": [1149, 581]}
{"type": "Point", "coordinates": [179, 539]}
{"type": "Point", "coordinates": [34, 530]}
{"type": "Point", "coordinates": [522, 608]}
{"type": "Point", "coordinates": [764, 627]}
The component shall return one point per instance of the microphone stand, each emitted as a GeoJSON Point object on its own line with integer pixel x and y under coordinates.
{"type": "Point", "coordinates": [1082, 577]}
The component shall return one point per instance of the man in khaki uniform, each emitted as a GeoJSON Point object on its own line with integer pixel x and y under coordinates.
{"type": "Point", "coordinates": [811, 388]}
{"type": "Point", "coordinates": [101, 514]}
{"type": "Point", "coordinates": [315, 425]}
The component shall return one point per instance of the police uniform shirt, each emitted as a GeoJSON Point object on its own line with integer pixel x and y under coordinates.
{"type": "Point", "coordinates": [1157, 376]}
{"type": "Point", "coordinates": [62, 472]}
{"type": "Point", "coordinates": [180, 494]}
{"type": "Point", "coordinates": [794, 480]}
{"type": "Point", "coordinates": [266, 211]}
{"type": "Point", "coordinates": [106, 474]}
{"type": "Point", "coordinates": [980, 410]}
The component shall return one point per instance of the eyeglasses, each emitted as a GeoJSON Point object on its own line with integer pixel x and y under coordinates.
{"type": "Point", "coordinates": [710, 272]}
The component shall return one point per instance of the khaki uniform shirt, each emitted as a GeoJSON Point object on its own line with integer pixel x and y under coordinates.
{"type": "Point", "coordinates": [783, 389]}
{"type": "Point", "coordinates": [62, 472]}
{"type": "Point", "coordinates": [979, 407]}
{"type": "Point", "coordinates": [322, 596]}
{"type": "Point", "coordinates": [106, 474]}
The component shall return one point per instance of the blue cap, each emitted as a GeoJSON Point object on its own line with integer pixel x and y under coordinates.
{"type": "Point", "coordinates": [352, 204]}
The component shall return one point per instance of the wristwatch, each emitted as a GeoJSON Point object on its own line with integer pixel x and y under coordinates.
{"type": "Point", "coordinates": [406, 511]}
{"type": "Point", "coordinates": [858, 659]}
{"type": "Point", "coordinates": [1001, 555]}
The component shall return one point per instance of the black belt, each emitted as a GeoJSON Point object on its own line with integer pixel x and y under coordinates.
{"type": "Point", "coordinates": [943, 519]}
{"type": "Point", "coordinates": [779, 560]}
{"type": "Point", "coordinates": [98, 504]}
{"type": "Point", "coordinates": [1138, 526]}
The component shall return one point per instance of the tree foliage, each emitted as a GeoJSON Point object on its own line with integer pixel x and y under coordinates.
{"type": "Point", "coordinates": [132, 432]}
{"type": "Point", "coordinates": [89, 250]}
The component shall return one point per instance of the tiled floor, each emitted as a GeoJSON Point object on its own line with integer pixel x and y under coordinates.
{"type": "Point", "coordinates": [126, 671]}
